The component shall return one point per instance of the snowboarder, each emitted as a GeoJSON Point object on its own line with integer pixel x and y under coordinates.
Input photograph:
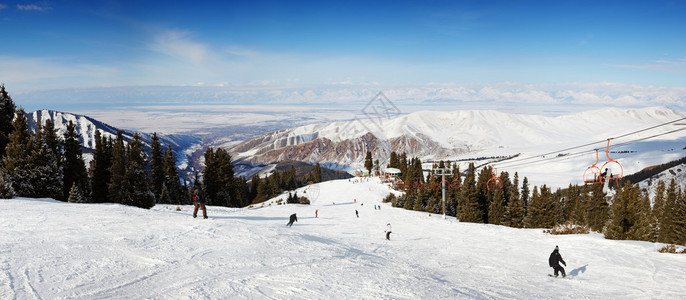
{"type": "Point", "coordinates": [199, 202]}
{"type": "Point", "coordinates": [292, 219]}
{"type": "Point", "coordinates": [555, 260]}
{"type": "Point", "coordinates": [388, 231]}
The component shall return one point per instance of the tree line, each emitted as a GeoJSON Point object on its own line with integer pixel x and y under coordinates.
{"type": "Point", "coordinates": [627, 214]}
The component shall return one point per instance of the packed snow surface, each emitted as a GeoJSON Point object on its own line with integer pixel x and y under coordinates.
{"type": "Point", "coordinates": [55, 250]}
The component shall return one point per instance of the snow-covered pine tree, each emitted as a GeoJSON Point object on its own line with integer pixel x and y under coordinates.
{"type": "Point", "coordinates": [7, 109]}
{"type": "Point", "coordinates": [141, 195]}
{"type": "Point", "coordinates": [47, 160]}
{"type": "Point", "coordinates": [6, 190]}
{"type": "Point", "coordinates": [74, 168]}
{"type": "Point", "coordinates": [75, 195]}
{"type": "Point", "coordinates": [119, 188]}
{"type": "Point", "coordinates": [100, 169]}
{"type": "Point", "coordinates": [164, 195]}
{"type": "Point", "coordinates": [157, 167]}
{"type": "Point", "coordinates": [17, 164]}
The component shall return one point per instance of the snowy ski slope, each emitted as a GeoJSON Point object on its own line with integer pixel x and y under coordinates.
{"type": "Point", "coordinates": [55, 250]}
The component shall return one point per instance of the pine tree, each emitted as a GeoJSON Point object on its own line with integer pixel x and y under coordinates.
{"type": "Point", "coordinates": [6, 189]}
{"type": "Point", "coordinates": [47, 161]}
{"type": "Point", "coordinates": [75, 195]}
{"type": "Point", "coordinates": [641, 231]}
{"type": "Point", "coordinates": [74, 169]}
{"type": "Point", "coordinates": [368, 162]}
{"type": "Point", "coordinates": [525, 195]}
{"type": "Point", "coordinates": [596, 208]}
{"type": "Point", "coordinates": [534, 211]}
{"type": "Point", "coordinates": [394, 162]}
{"type": "Point", "coordinates": [666, 232]}
{"type": "Point", "coordinates": [496, 210]}
{"type": "Point", "coordinates": [482, 192]}
{"type": "Point", "coordinates": [7, 109]}
{"type": "Point", "coordinates": [170, 178]}
{"type": "Point", "coordinates": [514, 214]}
{"type": "Point", "coordinates": [141, 195]}
{"type": "Point", "coordinates": [218, 179]}
{"type": "Point", "coordinates": [157, 166]}
{"type": "Point", "coordinates": [17, 164]}
{"type": "Point", "coordinates": [119, 188]}
{"type": "Point", "coordinates": [469, 207]}
{"type": "Point", "coordinates": [317, 173]}
{"type": "Point", "coordinates": [254, 186]}
{"type": "Point", "coordinates": [100, 169]}
{"type": "Point", "coordinates": [573, 208]}
{"type": "Point", "coordinates": [658, 210]}
{"type": "Point", "coordinates": [619, 220]}
{"type": "Point", "coordinates": [679, 221]}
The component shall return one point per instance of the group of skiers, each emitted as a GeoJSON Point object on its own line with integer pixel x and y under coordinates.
{"type": "Point", "coordinates": [199, 203]}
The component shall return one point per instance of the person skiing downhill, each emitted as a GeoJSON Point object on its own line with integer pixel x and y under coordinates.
{"type": "Point", "coordinates": [555, 260]}
{"type": "Point", "coordinates": [388, 231]}
{"type": "Point", "coordinates": [198, 202]}
{"type": "Point", "coordinates": [292, 219]}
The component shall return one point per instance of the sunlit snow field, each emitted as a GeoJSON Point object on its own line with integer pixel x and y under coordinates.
{"type": "Point", "coordinates": [55, 250]}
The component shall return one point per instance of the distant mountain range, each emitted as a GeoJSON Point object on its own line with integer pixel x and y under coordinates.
{"type": "Point", "coordinates": [484, 137]}
{"type": "Point", "coordinates": [183, 145]}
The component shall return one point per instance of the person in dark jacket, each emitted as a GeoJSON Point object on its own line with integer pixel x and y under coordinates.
{"type": "Point", "coordinates": [555, 260]}
{"type": "Point", "coordinates": [199, 202]}
{"type": "Point", "coordinates": [293, 218]}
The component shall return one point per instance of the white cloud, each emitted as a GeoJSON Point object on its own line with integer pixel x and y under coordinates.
{"type": "Point", "coordinates": [179, 44]}
{"type": "Point", "coordinates": [672, 66]}
{"type": "Point", "coordinates": [3, 6]}
{"type": "Point", "coordinates": [34, 7]}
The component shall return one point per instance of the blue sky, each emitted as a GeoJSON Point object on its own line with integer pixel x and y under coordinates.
{"type": "Point", "coordinates": [97, 53]}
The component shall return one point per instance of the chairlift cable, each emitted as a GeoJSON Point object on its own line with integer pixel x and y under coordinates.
{"type": "Point", "coordinates": [507, 163]}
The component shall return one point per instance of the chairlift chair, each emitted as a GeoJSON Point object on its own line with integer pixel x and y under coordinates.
{"type": "Point", "coordinates": [592, 173]}
{"type": "Point", "coordinates": [494, 183]}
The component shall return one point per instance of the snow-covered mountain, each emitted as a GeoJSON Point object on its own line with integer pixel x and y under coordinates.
{"type": "Point", "coordinates": [459, 135]}
{"type": "Point", "coordinates": [58, 250]}
{"type": "Point", "coordinates": [182, 144]}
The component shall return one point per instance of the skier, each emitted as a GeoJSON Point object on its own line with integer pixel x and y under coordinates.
{"type": "Point", "coordinates": [357, 214]}
{"type": "Point", "coordinates": [555, 260]}
{"type": "Point", "coordinates": [292, 219]}
{"type": "Point", "coordinates": [388, 231]}
{"type": "Point", "coordinates": [199, 202]}
{"type": "Point", "coordinates": [316, 212]}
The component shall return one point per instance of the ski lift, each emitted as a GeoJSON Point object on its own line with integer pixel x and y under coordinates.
{"type": "Point", "coordinates": [592, 173]}
{"type": "Point", "coordinates": [609, 166]}
{"type": "Point", "coordinates": [494, 183]}
{"type": "Point", "coordinates": [455, 184]}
